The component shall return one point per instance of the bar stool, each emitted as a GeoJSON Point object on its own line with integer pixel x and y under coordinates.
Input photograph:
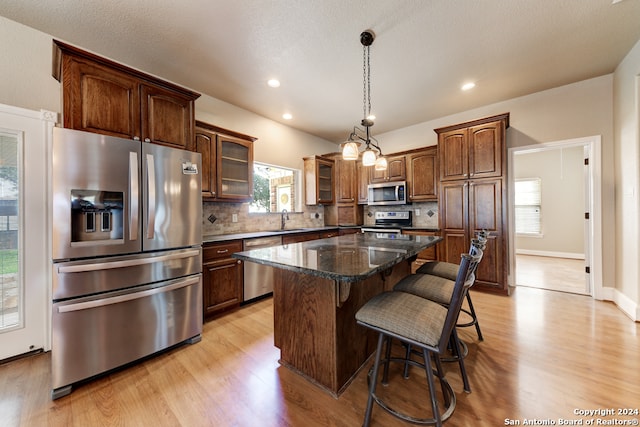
{"type": "Point", "coordinates": [423, 324]}
{"type": "Point", "coordinates": [439, 291]}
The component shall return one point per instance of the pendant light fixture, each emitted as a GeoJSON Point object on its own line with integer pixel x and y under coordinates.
{"type": "Point", "coordinates": [372, 154]}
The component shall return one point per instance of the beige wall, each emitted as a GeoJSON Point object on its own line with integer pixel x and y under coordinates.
{"type": "Point", "coordinates": [561, 172]}
{"type": "Point", "coordinates": [626, 86]}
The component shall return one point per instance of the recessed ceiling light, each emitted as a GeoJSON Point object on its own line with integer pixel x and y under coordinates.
{"type": "Point", "coordinates": [274, 83]}
{"type": "Point", "coordinates": [287, 116]}
{"type": "Point", "coordinates": [468, 86]}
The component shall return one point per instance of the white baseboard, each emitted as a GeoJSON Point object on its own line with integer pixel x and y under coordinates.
{"type": "Point", "coordinates": [625, 304]}
{"type": "Point", "coordinates": [569, 255]}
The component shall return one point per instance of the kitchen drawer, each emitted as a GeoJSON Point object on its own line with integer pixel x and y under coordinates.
{"type": "Point", "coordinates": [216, 251]}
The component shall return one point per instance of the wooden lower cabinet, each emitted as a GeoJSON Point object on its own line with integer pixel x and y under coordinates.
{"type": "Point", "coordinates": [429, 254]}
{"type": "Point", "coordinates": [305, 237]}
{"type": "Point", "coordinates": [222, 277]}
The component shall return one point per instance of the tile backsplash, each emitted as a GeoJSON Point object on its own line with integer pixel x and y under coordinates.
{"type": "Point", "coordinates": [427, 218]}
{"type": "Point", "coordinates": [218, 218]}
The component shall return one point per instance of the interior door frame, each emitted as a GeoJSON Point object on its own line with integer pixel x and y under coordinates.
{"type": "Point", "coordinates": [34, 130]}
{"type": "Point", "coordinates": [593, 184]}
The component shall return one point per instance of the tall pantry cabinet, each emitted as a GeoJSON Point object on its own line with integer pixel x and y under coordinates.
{"type": "Point", "coordinates": [473, 195]}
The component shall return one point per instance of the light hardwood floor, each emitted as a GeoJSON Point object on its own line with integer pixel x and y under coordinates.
{"type": "Point", "coordinates": [545, 355]}
{"type": "Point", "coordinates": [557, 274]}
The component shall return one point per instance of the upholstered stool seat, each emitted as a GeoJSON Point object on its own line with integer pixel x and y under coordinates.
{"type": "Point", "coordinates": [440, 292]}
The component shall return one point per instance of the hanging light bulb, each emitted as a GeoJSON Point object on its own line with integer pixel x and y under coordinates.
{"type": "Point", "coordinates": [350, 151]}
{"type": "Point", "coordinates": [368, 157]}
{"type": "Point", "coordinates": [381, 163]}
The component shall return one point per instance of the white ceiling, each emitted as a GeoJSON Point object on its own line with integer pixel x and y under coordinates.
{"type": "Point", "coordinates": [423, 52]}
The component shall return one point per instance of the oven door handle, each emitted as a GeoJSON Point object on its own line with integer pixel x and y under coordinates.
{"type": "Point", "coordinates": [127, 297]}
{"type": "Point", "coordinates": [83, 268]}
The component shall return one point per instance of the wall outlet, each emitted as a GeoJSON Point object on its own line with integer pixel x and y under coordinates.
{"type": "Point", "coordinates": [234, 217]}
{"type": "Point", "coordinates": [417, 212]}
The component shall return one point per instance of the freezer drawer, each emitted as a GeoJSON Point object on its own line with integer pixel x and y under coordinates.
{"type": "Point", "coordinates": [79, 278]}
{"type": "Point", "coordinates": [95, 334]}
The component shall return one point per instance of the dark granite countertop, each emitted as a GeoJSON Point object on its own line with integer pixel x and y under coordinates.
{"type": "Point", "coordinates": [348, 258]}
{"type": "Point", "coordinates": [254, 234]}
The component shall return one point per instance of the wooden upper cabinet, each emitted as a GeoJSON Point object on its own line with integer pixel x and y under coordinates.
{"type": "Point", "coordinates": [227, 163]}
{"type": "Point", "coordinates": [319, 180]}
{"type": "Point", "coordinates": [454, 155]}
{"type": "Point", "coordinates": [102, 96]}
{"type": "Point", "coordinates": [473, 150]}
{"type": "Point", "coordinates": [95, 99]}
{"type": "Point", "coordinates": [346, 182]}
{"type": "Point", "coordinates": [234, 168]}
{"type": "Point", "coordinates": [205, 144]}
{"type": "Point", "coordinates": [396, 170]}
{"type": "Point", "coordinates": [167, 117]}
{"type": "Point", "coordinates": [422, 174]}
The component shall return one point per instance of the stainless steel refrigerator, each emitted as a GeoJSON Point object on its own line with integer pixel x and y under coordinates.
{"type": "Point", "coordinates": [126, 249]}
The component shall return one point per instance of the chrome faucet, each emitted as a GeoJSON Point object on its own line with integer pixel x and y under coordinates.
{"type": "Point", "coordinates": [285, 215]}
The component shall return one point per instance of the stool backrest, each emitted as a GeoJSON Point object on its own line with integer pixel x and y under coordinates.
{"type": "Point", "coordinates": [464, 280]}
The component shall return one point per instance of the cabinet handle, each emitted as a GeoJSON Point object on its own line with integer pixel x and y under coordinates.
{"type": "Point", "coordinates": [136, 138]}
{"type": "Point", "coordinates": [239, 262]}
{"type": "Point", "coordinates": [222, 252]}
{"type": "Point", "coordinates": [147, 140]}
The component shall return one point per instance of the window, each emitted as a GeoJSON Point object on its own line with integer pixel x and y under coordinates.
{"type": "Point", "coordinates": [10, 292]}
{"type": "Point", "coordinates": [275, 188]}
{"type": "Point", "coordinates": [528, 206]}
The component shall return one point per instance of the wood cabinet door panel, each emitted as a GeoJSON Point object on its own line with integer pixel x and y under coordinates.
{"type": "Point", "coordinates": [485, 150]}
{"type": "Point", "coordinates": [166, 117]}
{"type": "Point", "coordinates": [453, 245]}
{"type": "Point", "coordinates": [423, 175]}
{"type": "Point", "coordinates": [485, 200]}
{"type": "Point", "coordinates": [396, 168]}
{"type": "Point", "coordinates": [363, 183]}
{"type": "Point", "coordinates": [205, 145]}
{"type": "Point", "coordinates": [222, 285]}
{"type": "Point", "coordinates": [99, 100]}
{"type": "Point", "coordinates": [454, 155]}
{"type": "Point", "coordinates": [454, 206]}
{"type": "Point", "coordinates": [346, 182]}
{"type": "Point", "coordinates": [489, 271]}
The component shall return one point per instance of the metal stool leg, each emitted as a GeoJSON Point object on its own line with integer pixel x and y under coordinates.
{"type": "Point", "coordinates": [373, 382]}
{"type": "Point", "coordinates": [475, 318]}
{"type": "Point", "coordinates": [432, 388]}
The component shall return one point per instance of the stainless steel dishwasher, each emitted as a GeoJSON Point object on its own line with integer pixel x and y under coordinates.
{"type": "Point", "coordinates": [258, 278]}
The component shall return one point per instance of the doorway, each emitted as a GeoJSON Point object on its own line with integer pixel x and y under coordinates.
{"type": "Point", "coordinates": [24, 238]}
{"type": "Point", "coordinates": [564, 253]}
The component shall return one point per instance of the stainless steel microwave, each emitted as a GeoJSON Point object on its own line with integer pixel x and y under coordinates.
{"type": "Point", "coordinates": [388, 193]}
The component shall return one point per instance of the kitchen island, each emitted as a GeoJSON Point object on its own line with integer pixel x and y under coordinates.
{"type": "Point", "coordinates": [319, 286]}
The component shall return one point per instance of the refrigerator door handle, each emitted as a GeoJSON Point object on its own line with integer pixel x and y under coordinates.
{"type": "Point", "coordinates": [83, 268]}
{"type": "Point", "coordinates": [151, 183]}
{"type": "Point", "coordinates": [134, 200]}
{"type": "Point", "coordinates": [128, 297]}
